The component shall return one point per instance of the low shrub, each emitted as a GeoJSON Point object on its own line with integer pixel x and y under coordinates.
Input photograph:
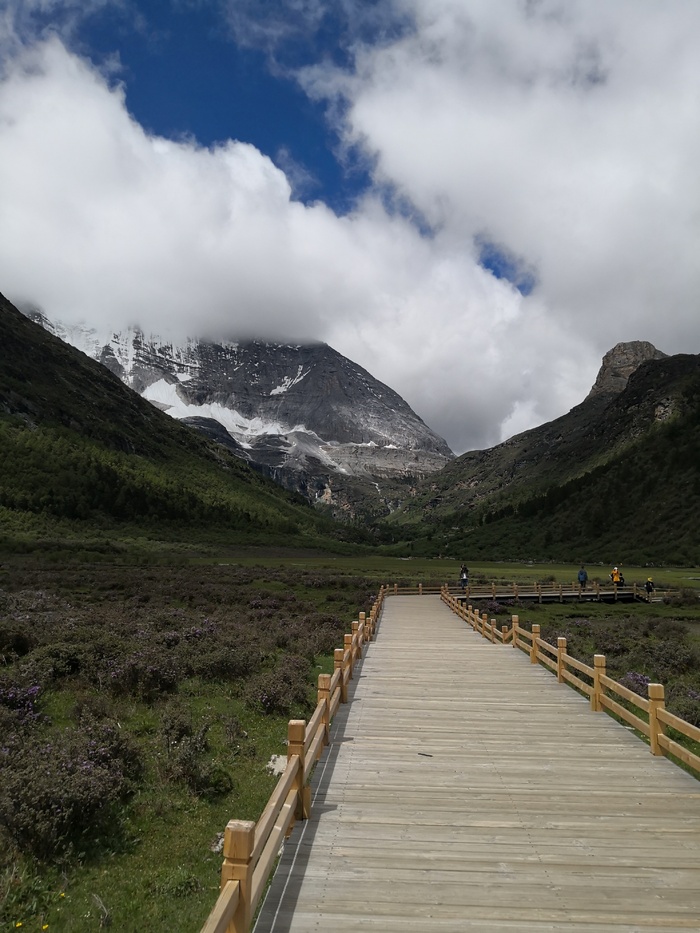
{"type": "Point", "coordinates": [14, 643]}
{"type": "Point", "coordinates": [277, 691]}
{"type": "Point", "coordinates": [22, 701]}
{"type": "Point", "coordinates": [186, 765]}
{"type": "Point", "coordinates": [687, 706]}
{"type": "Point", "coordinates": [636, 682]}
{"type": "Point", "coordinates": [147, 673]}
{"type": "Point", "coordinates": [57, 796]}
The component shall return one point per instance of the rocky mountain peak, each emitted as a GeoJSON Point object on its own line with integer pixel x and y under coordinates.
{"type": "Point", "coordinates": [619, 364]}
{"type": "Point", "coordinates": [305, 415]}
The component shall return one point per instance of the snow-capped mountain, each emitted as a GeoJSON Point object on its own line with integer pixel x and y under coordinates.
{"type": "Point", "coordinates": [306, 415]}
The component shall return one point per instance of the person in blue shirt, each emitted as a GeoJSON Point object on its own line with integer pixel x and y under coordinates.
{"type": "Point", "coordinates": [582, 578]}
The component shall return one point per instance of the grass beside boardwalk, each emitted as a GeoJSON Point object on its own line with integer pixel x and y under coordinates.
{"type": "Point", "coordinates": [139, 707]}
{"type": "Point", "coordinates": [411, 571]}
{"type": "Point", "coordinates": [142, 695]}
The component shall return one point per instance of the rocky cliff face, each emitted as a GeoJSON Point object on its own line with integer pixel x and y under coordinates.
{"type": "Point", "coordinates": [305, 415]}
{"type": "Point", "coordinates": [619, 364]}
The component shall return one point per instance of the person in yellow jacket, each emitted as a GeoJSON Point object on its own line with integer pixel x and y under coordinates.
{"type": "Point", "coordinates": [617, 578]}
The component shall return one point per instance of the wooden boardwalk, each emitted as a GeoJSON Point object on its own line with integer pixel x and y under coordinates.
{"type": "Point", "coordinates": [465, 789]}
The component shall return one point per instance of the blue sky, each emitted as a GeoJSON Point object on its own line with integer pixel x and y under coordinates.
{"type": "Point", "coordinates": [187, 73]}
{"type": "Point", "coordinates": [474, 200]}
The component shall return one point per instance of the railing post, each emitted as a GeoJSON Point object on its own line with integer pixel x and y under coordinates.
{"type": "Point", "coordinates": [598, 669]}
{"type": "Point", "coordinates": [357, 649]}
{"type": "Point", "coordinates": [239, 838]}
{"type": "Point", "coordinates": [366, 626]}
{"type": "Point", "coordinates": [514, 622]}
{"type": "Point", "coordinates": [347, 643]}
{"type": "Point", "coordinates": [492, 626]}
{"type": "Point", "coordinates": [338, 656]}
{"type": "Point", "coordinates": [484, 623]}
{"type": "Point", "coordinates": [656, 702]}
{"type": "Point", "coordinates": [504, 632]}
{"type": "Point", "coordinates": [561, 651]}
{"type": "Point", "coordinates": [533, 649]}
{"type": "Point", "coordinates": [396, 588]}
{"type": "Point", "coordinates": [296, 737]}
{"type": "Point", "coordinates": [324, 696]}
{"type": "Point", "coordinates": [420, 589]}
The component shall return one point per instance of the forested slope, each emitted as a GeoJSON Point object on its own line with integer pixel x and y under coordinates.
{"type": "Point", "coordinates": [77, 446]}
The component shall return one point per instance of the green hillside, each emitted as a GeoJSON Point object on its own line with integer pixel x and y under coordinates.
{"type": "Point", "coordinates": [607, 482]}
{"type": "Point", "coordinates": [83, 457]}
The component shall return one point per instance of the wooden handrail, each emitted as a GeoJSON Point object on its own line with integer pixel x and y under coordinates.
{"type": "Point", "coordinates": [578, 665]}
{"type": "Point", "coordinates": [680, 725]}
{"type": "Point", "coordinates": [561, 663]}
{"type": "Point", "coordinates": [279, 830]}
{"type": "Point", "coordinates": [250, 849]}
{"type": "Point", "coordinates": [627, 694]}
{"type": "Point", "coordinates": [224, 909]}
{"type": "Point", "coordinates": [264, 826]}
{"type": "Point", "coordinates": [312, 726]}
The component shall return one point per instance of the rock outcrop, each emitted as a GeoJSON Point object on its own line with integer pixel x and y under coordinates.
{"type": "Point", "coordinates": [619, 364]}
{"type": "Point", "coordinates": [637, 387]}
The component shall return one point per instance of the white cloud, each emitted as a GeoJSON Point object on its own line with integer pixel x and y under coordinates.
{"type": "Point", "coordinates": [566, 132]}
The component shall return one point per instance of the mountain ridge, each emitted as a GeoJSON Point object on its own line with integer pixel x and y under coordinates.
{"type": "Point", "coordinates": [77, 445]}
{"type": "Point", "coordinates": [615, 479]}
{"type": "Point", "coordinates": [303, 414]}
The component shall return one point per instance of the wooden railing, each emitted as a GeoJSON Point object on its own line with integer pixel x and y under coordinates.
{"type": "Point", "coordinates": [250, 849]}
{"type": "Point", "coordinates": [649, 716]}
{"type": "Point", "coordinates": [419, 589]}
{"type": "Point", "coordinates": [552, 591]}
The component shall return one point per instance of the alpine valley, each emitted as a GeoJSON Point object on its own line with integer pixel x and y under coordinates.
{"type": "Point", "coordinates": [303, 415]}
{"type": "Point", "coordinates": [616, 479]}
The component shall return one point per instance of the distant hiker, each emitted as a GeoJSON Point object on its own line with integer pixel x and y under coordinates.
{"type": "Point", "coordinates": [582, 578]}
{"type": "Point", "coordinates": [464, 576]}
{"type": "Point", "coordinates": [649, 587]}
{"type": "Point", "coordinates": [616, 577]}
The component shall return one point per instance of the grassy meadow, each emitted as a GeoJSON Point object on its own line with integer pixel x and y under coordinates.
{"type": "Point", "coordinates": [142, 696]}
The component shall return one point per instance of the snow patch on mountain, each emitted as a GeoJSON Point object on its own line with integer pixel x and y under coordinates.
{"type": "Point", "coordinates": [289, 381]}
{"type": "Point", "coordinates": [167, 396]}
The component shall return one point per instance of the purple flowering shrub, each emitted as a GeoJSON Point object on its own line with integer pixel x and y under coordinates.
{"type": "Point", "coordinates": [147, 673]}
{"type": "Point", "coordinates": [90, 646]}
{"type": "Point", "coordinates": [283, 688]}
{"type": "Point", "coordinates": [495, 607]}
{"type": "Point", "coordinates": [187, 764]}
{"type": "Point", "coordinates": [636, 682]}
{"type": "Point", "coordinates": [22, 701]}
{"type": "Point", "coordinates": [57, 794]}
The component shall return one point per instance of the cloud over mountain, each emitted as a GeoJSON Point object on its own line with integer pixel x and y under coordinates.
{"type": "Point", "coordinates": [555, 143]}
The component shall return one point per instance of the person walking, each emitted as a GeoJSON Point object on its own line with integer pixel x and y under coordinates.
{"type": "Point", "coordinates": [582, 578]}
{"type": "Point", "coordinates": [649, 587]}
{"type": "Point", "coordinates": [464, 576]}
